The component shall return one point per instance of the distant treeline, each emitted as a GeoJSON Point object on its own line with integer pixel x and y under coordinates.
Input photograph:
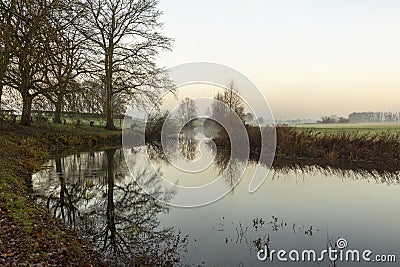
{"type": "Point", "coordinates": [363, 117]}
{"type": "Point", "coordinates": [378, 117]}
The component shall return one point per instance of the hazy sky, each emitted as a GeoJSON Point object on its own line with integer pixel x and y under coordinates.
{"type": "Point", "coordinates": [310, 58]}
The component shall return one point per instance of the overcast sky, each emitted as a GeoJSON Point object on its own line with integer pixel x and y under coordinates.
{"type": "Point", "coordinates": [310, 58]}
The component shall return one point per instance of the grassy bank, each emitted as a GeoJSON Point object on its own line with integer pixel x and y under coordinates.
{"type": "Point", "coordinates": [340, 146]}
{"type": "Point", "coordinates": [379, 147]}
{"type": "Point", "coordinates": [28, 234]}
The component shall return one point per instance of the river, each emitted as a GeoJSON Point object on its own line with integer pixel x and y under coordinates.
{"type": "Point", "coordinates": [299, 207]}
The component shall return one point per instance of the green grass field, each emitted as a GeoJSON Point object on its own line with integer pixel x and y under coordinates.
{"type": "Point", "coordinates": [353, 128]}
{"type": "Point", "coordinates": [83, 121]}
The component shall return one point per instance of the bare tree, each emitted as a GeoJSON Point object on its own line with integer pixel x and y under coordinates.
{"type": "Point", "coordinates": [228, 101]}
{"type": "Point", "coordinates": [5, 42]}
{"type": "Point", "coordinates": [65, 60]}
{"type": "Point", "coordinates": [124, 37]}
{"type": "Point", "coordinates": [29, 25]}
{"type": "Point", "coordinates": [187, 110]}
{"type": "Point", "coordinates": [86, 97]}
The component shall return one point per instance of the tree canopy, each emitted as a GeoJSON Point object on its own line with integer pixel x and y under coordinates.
{"type": "Point", "coordinates": [54, 52]}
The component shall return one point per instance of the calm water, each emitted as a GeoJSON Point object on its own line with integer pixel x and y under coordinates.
{"type": "Point", "coordinates": [303, 207]}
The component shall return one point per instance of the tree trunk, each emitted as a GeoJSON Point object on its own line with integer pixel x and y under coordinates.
{"type": "Point", "coordinates": [109, 112]}
{"type": "Point", "coordinates": [59, 105]}
{"type": "Point", "coordinates": [110, 199]}
{"type": "Point", "coordinates": [109, 88]}
{"type": "Point", "coordinates": [1, 93]}
{"type": "Point", "coordinates": [62, 186]}
{"type": "Point", "coordinates": [26, 109]}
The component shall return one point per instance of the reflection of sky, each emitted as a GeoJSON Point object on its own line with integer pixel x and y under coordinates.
{"type": "Point", "coordinates": [363, 211]}
{"type": "Point", "coordinates": [307, 56]}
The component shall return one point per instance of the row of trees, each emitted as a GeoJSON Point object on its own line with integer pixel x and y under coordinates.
{"type": "Point", "coordinates": [71, 51]}
{"type": "Point", "coordinates": [333, 119]}
{"type": "Point", "coordinates": [377, 117]}
{"type": "Point", "coordinates": [364, 117]}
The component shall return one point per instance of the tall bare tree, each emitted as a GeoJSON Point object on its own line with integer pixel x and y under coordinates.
{"type": "Point", "coordinates": [87, 98]}
{"type": "Point", "coordinates": [29, 24]}
{"type": "Point", "coordinates": [227, 101]}
{"type": "Point", "coordinates": [65, 61]}
{"type": "Point", "coordinates": [125, 37]}
{"type": "Point", "coordinates": [187, 110]}
{"type": "Point", "coordinates": [5, 42]}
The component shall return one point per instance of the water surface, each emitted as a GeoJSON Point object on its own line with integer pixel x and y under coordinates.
{"type": "Point", "coordinates": [301, 207]}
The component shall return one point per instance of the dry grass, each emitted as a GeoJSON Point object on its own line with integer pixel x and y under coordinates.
{"type": "Point", "coordinates": [380, 147]}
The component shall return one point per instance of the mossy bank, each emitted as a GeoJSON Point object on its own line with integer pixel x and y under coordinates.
{"type": "Point", "coordinates": [29, 235]}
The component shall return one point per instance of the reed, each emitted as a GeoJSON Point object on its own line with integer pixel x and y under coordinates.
{"type": "Point", "coordinates": [383, 147]}
{"type": "Point", "coordinates": [379, 147]}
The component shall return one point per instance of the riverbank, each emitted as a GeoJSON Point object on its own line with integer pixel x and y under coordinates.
{"type": "Point", "coordinates": [344, 147]}
{"type": "Point", "coordinates": [29, 235]}
{"type": "Point", "coordinates": [337, 147]}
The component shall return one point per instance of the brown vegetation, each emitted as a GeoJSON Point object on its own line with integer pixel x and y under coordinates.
{"type": "Point", "coordinates": [382, 148]}
{"type": "Point", "coordinates": [334, 147]}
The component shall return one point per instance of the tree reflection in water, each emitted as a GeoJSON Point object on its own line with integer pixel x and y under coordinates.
{"type": "Point", "coordinates": [188, 146]}
{"type": "Point", "coordinates": [230, 169]}
{"type": "Point", "coordinates": [381, 174]}
{"type": "Point", "coordinates": [95, 194]}
{"type": "Point", "coordinates": [182, 146]}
